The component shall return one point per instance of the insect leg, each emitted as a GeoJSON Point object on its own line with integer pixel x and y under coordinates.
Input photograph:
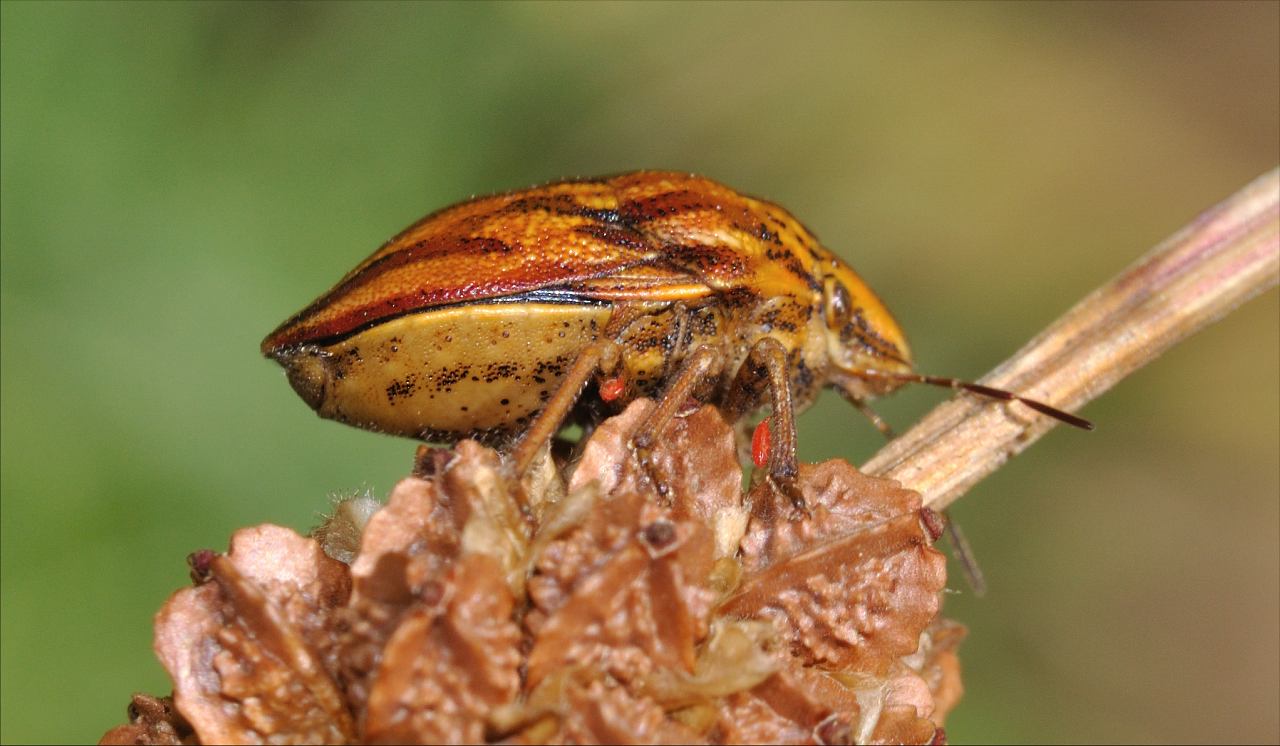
{"type": "Point", "coordinates": [602, 353]}
{"type": "Point", "coordinates": [767, 364]}
{"type": "Point", "coordinates": [699, 365]}
{"type": "Point", "coordinates": [965, 556]}
{"type": "Point", "coordinates": [861, 405]}
{"type": "Point", "coordinates": [548, 420]}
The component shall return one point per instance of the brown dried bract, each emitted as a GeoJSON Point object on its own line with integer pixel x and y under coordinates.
{"type": "Point", "coordinates": [245, 651]}
{"type": "Point", "coordinates": [853, 584]}
{"type": "Point", "coordinates": [645, 608]}
{"type": "Point", "coordinates": [641, 604]}
{"type": "Point", "coordinates": [405, 544]}
{"type": "Point", "coordinates": [797, 704]}
{"type": "Point", "coordinates": [626, 590]}
{"type": "Point", "coordinates": [411, 550]}
{"type": "Point", "coordinates": [448, 666]}
{"type": "Point", "coordinates": [693, 470]}
{"type": "Point", "coordinates": [598, 713]}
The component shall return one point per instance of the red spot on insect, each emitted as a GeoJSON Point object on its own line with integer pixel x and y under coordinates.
{"type": "Point", "coordinates": [612, 388]}
{"type": "Point", "coordinates": [760, 444]}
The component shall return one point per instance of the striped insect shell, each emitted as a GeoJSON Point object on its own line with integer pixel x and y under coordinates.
{"type": "Point", "coordinates": [468, 322]}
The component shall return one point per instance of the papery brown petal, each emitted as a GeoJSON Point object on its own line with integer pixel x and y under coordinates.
{"type": "Point", "coordinates": [596, 713]}
{"type": "Point", "coordinates": [137, 734]}
{"type": "Point", "coordinates": [486, 512]}
{"type": "Point", "coordinates": [841, 500]}
{"type": "Point", "coordinates": [607, 454]}
{"type": "Point", "coordinates": [415, 523]}
{"type": "Point", "coordinates": [695, 458]}
{"type": "Point", "coordinates": [909, 702]}
{"type": "Point", "coordinates": [409, 546]}
{"type": "Point", "coordinates": [747, 719]}
{"type": "Point", "coordinates": [897, 707]}
{"type": "Point", "coordinates": [300, 579]}
{"type": "Point", "coordinates": [562, 564]}
{"type": "Point", "coordinates": [595, 521]}
{"type": "Point", "coordinates": [242, 672]}
{"type": "Point", "coordinates": [791, 706]}
{"type": "Point", "coordinates": [857, 602]}
{"type": "Point", "coordinates": [807, 696]}
{"type": "Point", "coordinates": [692, 463]}
{"type": "Point", "coordinates": [412, 532]}
{"type": "Point", "coordinates": [594, 571]}
{"type": "Point", "coordinates": [902, 724]}
{"type": "Point", "coordinates": [446, 668]}
{"type": "Point", "coordinates": [635, 603]}
{"type": "Point", "coordinates": [678, 592]}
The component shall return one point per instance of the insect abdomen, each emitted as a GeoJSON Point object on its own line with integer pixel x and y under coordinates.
{"type": "Point", "coordinates": [447, 373]}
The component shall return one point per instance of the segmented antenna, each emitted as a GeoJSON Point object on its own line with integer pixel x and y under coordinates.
{"type": "Point", "coordinates": [977, 388]}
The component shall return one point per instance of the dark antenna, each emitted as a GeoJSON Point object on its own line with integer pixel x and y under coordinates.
{"type": "Point", "coordinates": [977, 388]}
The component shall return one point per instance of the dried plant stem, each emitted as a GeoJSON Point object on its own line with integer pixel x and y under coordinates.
{"type": "Point", "coordinates": [1222, 259]}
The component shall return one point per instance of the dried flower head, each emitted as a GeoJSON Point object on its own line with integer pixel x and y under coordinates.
{"type": "Point", "coordinates": [632, 604]}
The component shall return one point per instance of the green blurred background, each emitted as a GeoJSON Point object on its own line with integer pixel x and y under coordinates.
{"type": "Point", "coordinates": [177, 178]}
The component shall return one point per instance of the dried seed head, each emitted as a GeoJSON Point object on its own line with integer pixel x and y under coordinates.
{"type": "Point", "coordinates": [613, 613]}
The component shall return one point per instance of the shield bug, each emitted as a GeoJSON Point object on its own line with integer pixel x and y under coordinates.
{"type": "Point", "coordinates": [506, 315]}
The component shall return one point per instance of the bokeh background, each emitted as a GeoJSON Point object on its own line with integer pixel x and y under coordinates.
{"type": "Point", "coordinates": [177, 178]}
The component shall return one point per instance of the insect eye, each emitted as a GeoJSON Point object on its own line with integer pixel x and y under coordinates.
{"type": "Point", "coordinates": [839, 304]}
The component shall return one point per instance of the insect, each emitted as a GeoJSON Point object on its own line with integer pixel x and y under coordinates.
{"type": "Point", "coordinates": [512, 313]}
